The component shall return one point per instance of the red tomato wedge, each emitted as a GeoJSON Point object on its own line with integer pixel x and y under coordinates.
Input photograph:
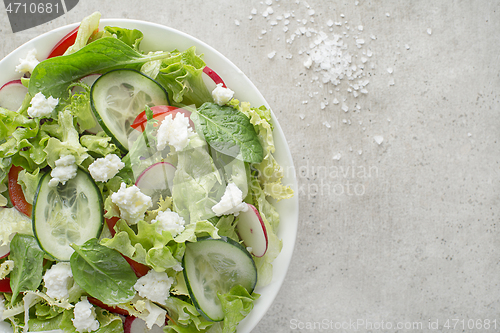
{"type": "Point", "coordinates": [16, 192]}
{"type": "Point", "coordinates": [5, 286]}
{"type": "Point", "coordinates": [214, 76]}
{"type": "Point", "coordinates": [111, 222]}
{"type": "Point", "coordinates": [159, 113]}
{"type": "Point", "coordinates": [106, 307]}
{"type": "Point", "coordinates": [64, 44]}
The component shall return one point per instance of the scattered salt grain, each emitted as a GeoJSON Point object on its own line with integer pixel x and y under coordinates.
{"type": "Point", "coordinates": [378, 139]}
{"type": "Point", "coordinates": [387, 14]}
{"type": "Point", "coordinates": [391, 82]}
{"type": "Point", "coordinates": [337, 156]}
{"type": "Point", "coordinates": [237, 22]}
{"type": "Point", "coordinates": [329, 23]}
{"type": "Point", "coordinates": [335, 101]}
{"type": "Point", "coordinates": [407, 46]}
{"type": "Point", "coordinates": [254, 11]}
{"type": "Point", "coordinates": [323, 106]}
{"type": "Point", "coordinates": [469, 134]}
{"type": "Point", "coordinates": [310, 12]}
{"type": "Point", "coordinates": [271, 54]}
{"type": "Point", "coordinates": [327, 124]}
{"type": "Point", "coordinates": [270, 10]}
{"type": "Point", "coordinates": [302, 116]}
{"type": "Point", "coordinates": [429, 31]}
{"type": "Point", "coordinates": [269, 2]}
{"type": "Point", "coordinates": [345, 108]}
{"type": "Point", "coordinates": [390, 70]}
{"type": "Point", "coordinates": [360, 27]}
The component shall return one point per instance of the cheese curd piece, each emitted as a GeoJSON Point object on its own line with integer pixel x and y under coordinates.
{"type": "Point", "coordinates": [174, 132]}
{"type": "Point", "coordinates": [85, 319]}
{"type": "Point", "coordinates": [169, 221]}
{"type": "Point", "coordinates": [154, 286]}
{"type": "Point", "coordinates": [29, 63]}
{"type": "Point", "coordinates": [65, 170]}
{"type": "Point", "coordinates": [131, 202]}
{"type": "Point", "coordinates": [58, 279]}
{"type": "Point", "coordinates": [103, 169]}
{"type": "Point", "coordinates": [231, 202]}
{"type": "Point", "coordinates": [42, 106]}
{"type": "Point", "coordinates": [222, 95]}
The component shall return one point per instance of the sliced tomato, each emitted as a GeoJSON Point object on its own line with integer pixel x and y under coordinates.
{"type": "Point", "coordinates": [111, 222]}
{"type": "Point", "coordinates": [214, 76]}
{"type": "Point", "coordinates": [106, 307]}
{"type": "Point", "coordinates": [159, 113]}
{"type": "Point", "coordinates": [64, 43]}
{"type": "Point", "coordinates": [5, 286]}
{"type": "Point", "coordinates": [139, 269]}
{"type": "Point", "coordinates": [16, 192]}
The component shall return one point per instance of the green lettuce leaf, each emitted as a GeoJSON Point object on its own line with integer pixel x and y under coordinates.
{"type": "Point", "coordinates": [131, 37]}
{"type": "Point", "coordinates": [88, 26]}
{"type": "Point", "coordinates": [13, 222]}
{"type": "Point", "coordinates": [185, 316]}
{"type": "Point", "coordinates": [228, 131]}
{"type": "Point", "coordinates": [99, 145]}
{"type": "Point", "coordinates": [70, 143]}
{"type": "Point", "coordinates": [198, 185]}
{"type": "Point", "coordinates": [29, 183]}
{"type": "Point", "coordinates": [236, 305]}
{"type": "Point", "coordinates": [269, 172]}
{"type": "Point", "coordinates": [79, 106]}
{"type": "Point", "coordinates": [181, 75]}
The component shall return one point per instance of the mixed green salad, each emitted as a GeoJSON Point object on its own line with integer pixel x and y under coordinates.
{"type": "Point", "coordinates": [130, 190]}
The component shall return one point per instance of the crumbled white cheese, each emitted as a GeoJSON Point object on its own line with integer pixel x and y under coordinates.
{"type": "Point", "coordinates": [154, 286]}
{"type": "Point", "coordinates": [5, 268]}
{"type": "Point", "coordinates": [65, 170]}
{"type": "Point", "coordinates": [58, 279]}
{"type": "Point", "coordinates": [131, 202]}
{"type": "Point", "coordinates": [169, 221]}
{"type": "Point", "coordinates": [42, 106]}
{"type": "Point", "coordinates": [85, 318]}
{"type": "Point", "coordinates": [231, 202]}
{"type": "Point", "coordinates": [174, 132]}
{"type": "Point", "coordinates": [29, 63]}
{"type": "Point", "coordinates": [105, 168]}
{"type": "Point", "coordinates": [222, 95]}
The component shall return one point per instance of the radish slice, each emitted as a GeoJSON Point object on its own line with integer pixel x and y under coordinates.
{"type": "Point", "coordinates": [4, 251]}
{"type": "Point", "coordinates": [252, 231]}
{"type": "Point", "coordinates": [12, 95]}
{"type": "Point", "coordinates": [214, 76]}
{"type": "Point", "coordinates": [156, 181]}
{"type": "Point", "coordinates": [137, 325]}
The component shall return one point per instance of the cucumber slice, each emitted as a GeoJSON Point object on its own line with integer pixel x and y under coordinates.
{"type": "Point", "coordinates": [66, 214]}
{"type": "Point", "coordinates": [118, 96]}
{"type": "Point", "coordinates": [214, 266]}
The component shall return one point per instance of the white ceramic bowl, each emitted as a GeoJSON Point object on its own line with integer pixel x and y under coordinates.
{"type": "Point", "coordinates": [159, 37]}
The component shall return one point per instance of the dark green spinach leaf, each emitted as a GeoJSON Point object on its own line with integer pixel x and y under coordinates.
{"type": "Point", "coordinates": [103, 273]}
{"type": "Point", "coordinates": [54, 75]}
{"type": "Point", "coordinates": [228, 131]}
{"type": "Point", "coordinates": [28, 264]}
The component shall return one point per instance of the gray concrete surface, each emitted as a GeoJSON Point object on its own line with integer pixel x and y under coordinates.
{"type": "Point", "coordinates": [398, 234]}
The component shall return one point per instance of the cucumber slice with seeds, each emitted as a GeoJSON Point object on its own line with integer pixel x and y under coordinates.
{"type": "Point", "coordinates": [118, 97]}
{"type": "Point", "coordinates": [66, 214]}
{"type": "Point", "coordinates": [214, 266]}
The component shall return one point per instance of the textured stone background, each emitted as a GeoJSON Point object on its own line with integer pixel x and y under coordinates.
{"type": "Point", "coordinates": [401, 232]}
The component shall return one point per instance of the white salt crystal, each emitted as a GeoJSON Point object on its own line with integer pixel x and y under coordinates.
{"type": "Point", "coordinates": [335, 101]}
{"type": "Point", "coordinates": [263, 32]}
{"type": "Point", "coordinates": [407, 46]}
{"type": "Point", "coordinates": [391, 82]}
{"type": "Point", "coordinates": [360, 152]}
{"type": "Point", "coordinates": [378, 139]}
{"type": "Point", "coordinates": [338, 23]}
{"type": "Point", "coordinates": [273, 23]}
{"type": "Point", "coordinates": [390, 70]}
{"type": "Point", "coordinates": [308, 63]}
{"type": "Point", "coordinates": [254, 11]}
{"type": "Point", "coordinates": [345, 108]}
{"type": "Point", "coordinates": [329, 23]}
{"type": "Point", "coordinates": [327, 124]}
{"type": "Point", "coordinates": [265, 13]}
{"type": "Point", "coordinates": [469, 134]}
{"type": "Point", "coordinates": [360, 27]}
{"type": "Point", "coordinates": [387, 14]}
{"type": "Point", "coordinates": [237, 22]}
{"type": "Point", "coordinates": [302, 116]}
{"type": "Point", "coordinates": [270, 10]}
{"type": "Point", "coordinates": [360, 41]}
{"type": "Point", "coordinates": [286, 22]}
{"type": "Point", "coordinates": [285, 29]}
{"type": "Point", "coordinates": [337, 156]}
{"type": "Point", "coordinates": [429, 31]}
{"type": "Point", "coordinates": [269, 2]}
{"type": "Point", "coordinates": [250, 17]}
{"type": "Point", "coordinates": [310, 12]}
{"type": "Point", "coordinates": [271, 54]}
{"type": "Point", "coordinates": [322, 105]}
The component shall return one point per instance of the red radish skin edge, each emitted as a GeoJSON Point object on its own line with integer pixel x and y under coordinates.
{"type": "Point", "coordinates": [252, 216]}
{"type": "Point", "coordinates": [151, 169]}
{"type": "Point", "coordinates": [5, 286]}
{"type": "Point", "coordinates": [214, 76]}
{"type": "Point", "coordinates": [4, 251]}
{"type": "Point", "coordinates": [15, 98]}
{"type": "Point", "coordinates": [159, 113]}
